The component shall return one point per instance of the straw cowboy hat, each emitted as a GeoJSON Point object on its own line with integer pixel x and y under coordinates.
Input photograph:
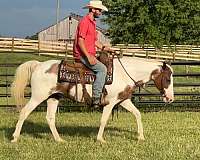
{"type": "Point", "coordinates": [96, 4]}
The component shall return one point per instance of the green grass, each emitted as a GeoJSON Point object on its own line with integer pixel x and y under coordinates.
{"type": "Point", "coordinates": [22, 57]}
{"type": "Point", "coordinates": [169, 136]}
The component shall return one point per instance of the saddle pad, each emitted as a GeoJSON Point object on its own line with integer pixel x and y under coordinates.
{"type": "Point", "coordinates": [77, 73]}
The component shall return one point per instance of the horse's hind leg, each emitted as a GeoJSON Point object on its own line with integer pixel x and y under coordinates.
{"type": "Point", "coordinates": [29, 107]}
{"type": "Point", "coordinates": [52, 105]}
{"type": "Point", "coordinates": [127, 104]}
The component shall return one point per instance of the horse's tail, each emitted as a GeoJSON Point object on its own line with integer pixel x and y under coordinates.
{"type": "Point", "coordinates": [21, 80]}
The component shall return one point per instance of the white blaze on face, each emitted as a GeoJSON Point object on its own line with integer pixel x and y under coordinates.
{"type": "Point", "coordinates": [169, 92]}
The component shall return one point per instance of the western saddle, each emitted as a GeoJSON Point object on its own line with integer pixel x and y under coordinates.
{"type": "Point", "coordinates": [77, 73]}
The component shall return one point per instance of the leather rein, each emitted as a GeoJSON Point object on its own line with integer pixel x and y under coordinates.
{"type": "Point", "coordinates": [135, 82]}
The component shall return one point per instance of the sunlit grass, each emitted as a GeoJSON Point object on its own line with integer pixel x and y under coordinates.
{"type": "Point", "coordinates": [169, 136]}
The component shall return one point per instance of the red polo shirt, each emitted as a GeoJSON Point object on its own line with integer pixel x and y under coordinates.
{"type": "Point", "coordinates": [87, 30]}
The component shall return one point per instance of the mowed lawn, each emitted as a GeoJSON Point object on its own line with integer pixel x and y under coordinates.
{"type": "Point", "coordinates": [169, 136]}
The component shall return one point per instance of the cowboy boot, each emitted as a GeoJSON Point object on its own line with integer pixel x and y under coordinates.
{"type": "Point", "coordinates": [95, 102]}
{"type": "Point", "coordinates": [99, 102]}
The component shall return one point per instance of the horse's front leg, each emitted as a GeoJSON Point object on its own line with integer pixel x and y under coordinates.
{"type": "Point", "coordinates": [52, 105]}
{"type": "Point", "coordinates": [128, 105]}
{"type": "Point", "coordinates": [104, 118]}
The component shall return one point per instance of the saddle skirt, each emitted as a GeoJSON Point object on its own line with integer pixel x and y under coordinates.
{"type": "Point", "coordinates": [77, 72]}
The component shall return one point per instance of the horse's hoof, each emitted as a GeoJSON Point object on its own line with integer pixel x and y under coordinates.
{"type": "Point", "coordinates": [14, 140]}
{"type": "Point", "coordinates": [60, 140]}
{"type": "Point", "coordinates": [141, 138]}
{"type": "Point", "coordinates": [102, 141]}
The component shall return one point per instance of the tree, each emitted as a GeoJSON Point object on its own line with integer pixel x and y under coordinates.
{"type": "Point", "coordinates": [187, 22]}
{"type": "Point", "coordinates": [154, 22]}
{"type": "Point", "coordinates": [33, 37]}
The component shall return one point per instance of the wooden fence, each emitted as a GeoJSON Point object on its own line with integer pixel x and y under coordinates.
{"type": "Point", "coordinates": [174, 52]}
{"type": "Point", "coordinates": [188, 96]}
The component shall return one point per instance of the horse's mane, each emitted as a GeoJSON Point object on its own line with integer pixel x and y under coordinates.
{"type": "Point", "coordinates": [142, 60]}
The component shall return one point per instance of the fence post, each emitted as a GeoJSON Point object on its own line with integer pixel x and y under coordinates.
{"type": "Point", "coordinates": [13, 44]}
{"type": "Point", "coordinates": [174, 56]}
{"type": "Point", "coordinates": [147, 55]}
{"type": "Point", "coordinates": [39, 46]}
{"type": "Point", "coordinates": [120, 53]}
{"type": "Point", "coordinates": [66, 51]}
{"type": "Point", "coordinates": [174, 53]}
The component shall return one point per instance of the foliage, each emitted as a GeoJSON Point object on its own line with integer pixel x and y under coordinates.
{"type": "Point", "coordinates": [154, 22]}
{"type": "Point", "coordinates": [33, 37]}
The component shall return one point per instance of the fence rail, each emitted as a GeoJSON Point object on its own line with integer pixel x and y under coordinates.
{"type": "Point", "coordinates": [140, 98]}
{"type": "Point", "coordinates": [173, 52]}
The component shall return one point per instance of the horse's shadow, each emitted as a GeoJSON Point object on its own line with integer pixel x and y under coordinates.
{"type": "Point", "coordinates": [37, 130]}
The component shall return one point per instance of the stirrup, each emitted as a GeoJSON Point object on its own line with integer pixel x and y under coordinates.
{"type": "Point", "coordinates": [101, 104]}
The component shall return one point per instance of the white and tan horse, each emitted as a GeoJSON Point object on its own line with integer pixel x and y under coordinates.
{"type": "Point", "coordinates": [42, 76]}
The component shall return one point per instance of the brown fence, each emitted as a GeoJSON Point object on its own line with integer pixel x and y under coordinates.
{"type": "Point", "coordinates": [173, 52]}
{"type": "Point", "coordinates": [188, 98]}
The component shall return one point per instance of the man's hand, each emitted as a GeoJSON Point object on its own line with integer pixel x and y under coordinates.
{"type": "Point", "coordinates": [92, 59]}
{"type": "Point", "coordinates": [109, 50]}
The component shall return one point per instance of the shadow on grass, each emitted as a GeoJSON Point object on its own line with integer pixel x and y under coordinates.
{"type": "Point", "coordinates": [36, 130]}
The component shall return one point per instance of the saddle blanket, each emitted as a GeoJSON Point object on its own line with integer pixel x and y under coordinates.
{"type": "Point", "coordinates": [78, 73]}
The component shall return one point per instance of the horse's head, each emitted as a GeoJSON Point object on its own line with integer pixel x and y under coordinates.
{"type": "Point", "coordinates": [163, 80]}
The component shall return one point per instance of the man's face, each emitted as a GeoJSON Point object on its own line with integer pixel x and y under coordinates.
{"type": "Point", "coordinates": [97, 12]}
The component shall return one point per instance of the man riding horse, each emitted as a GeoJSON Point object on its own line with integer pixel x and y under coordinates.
{"type": "Point", "coordinates": [84, 48]}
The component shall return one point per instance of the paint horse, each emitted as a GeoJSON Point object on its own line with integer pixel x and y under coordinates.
{"type": "Point", "coordinates": [42, 76]}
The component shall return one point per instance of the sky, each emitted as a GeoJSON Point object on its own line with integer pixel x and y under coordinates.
{"type": "Point", "coordinates": [21, 18]}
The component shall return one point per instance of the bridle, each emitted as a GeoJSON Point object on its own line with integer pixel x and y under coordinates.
{"type": "Point", "coordinates": [135, 82]}
{"type": "Point", "coordinates": [126, 71]}
{"type": "Point", "coordinates": [160, 88]}
{"type": "Point", "coordinates": [161, 78]}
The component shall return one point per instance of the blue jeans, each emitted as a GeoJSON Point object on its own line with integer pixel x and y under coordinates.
{"type": "Point", "coordinates": [100, 71]}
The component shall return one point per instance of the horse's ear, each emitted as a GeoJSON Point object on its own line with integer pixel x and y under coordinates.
{"type": "Point", "coordinates": [164, 66]}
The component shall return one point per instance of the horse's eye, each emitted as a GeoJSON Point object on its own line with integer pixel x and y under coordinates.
{"type": "Point", "coordinates": [169, 80]}
{"type": "Point", "coordinates": [162, 91]}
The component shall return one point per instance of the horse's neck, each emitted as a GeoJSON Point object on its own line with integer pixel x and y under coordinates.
{"type": "Point", "coordinates": [137, 69]}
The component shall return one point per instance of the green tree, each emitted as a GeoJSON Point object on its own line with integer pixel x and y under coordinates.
{"type": "Point", "coordinates": [154, 22]}
{"type": "Point", "coordinates": [187, 21]}
{"type": "Point", "coordinates": [33, 37]}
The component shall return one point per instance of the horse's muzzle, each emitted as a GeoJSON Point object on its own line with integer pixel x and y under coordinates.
{"type": "Point", "coordinates": [167, 99]}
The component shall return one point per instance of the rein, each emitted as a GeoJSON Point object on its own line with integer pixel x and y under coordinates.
{"type": "Point", "coordinates": [126, 71]}
{"type": "Point", "coordinates": [136, 83]}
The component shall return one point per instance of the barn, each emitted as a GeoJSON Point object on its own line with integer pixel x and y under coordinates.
{"type": "Point", "coordinates": [65, 31]}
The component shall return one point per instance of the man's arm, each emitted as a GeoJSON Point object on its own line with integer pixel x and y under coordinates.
{"type": "Point", "coordinates": [92, 59]}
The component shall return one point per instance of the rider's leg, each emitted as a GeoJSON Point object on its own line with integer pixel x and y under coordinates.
{"type": "Point", "coordinates": [100, 71]}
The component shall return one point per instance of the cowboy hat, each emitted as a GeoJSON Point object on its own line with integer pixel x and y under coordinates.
{"type": "Point", "coordinates": [96, 4]}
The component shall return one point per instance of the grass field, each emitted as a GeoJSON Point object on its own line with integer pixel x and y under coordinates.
{"type": "Point", "coordinates": [169, 136]}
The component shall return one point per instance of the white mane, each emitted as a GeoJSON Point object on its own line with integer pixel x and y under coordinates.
{"type": "Point", "coordinates": [137, 68]}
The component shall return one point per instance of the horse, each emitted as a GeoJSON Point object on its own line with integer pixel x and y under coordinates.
{"type": "Point", "coordinates": [43, 76]}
